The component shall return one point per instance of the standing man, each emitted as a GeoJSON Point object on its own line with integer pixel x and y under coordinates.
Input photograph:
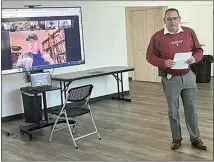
{"type": "Point", "coordinates": [161, 50]}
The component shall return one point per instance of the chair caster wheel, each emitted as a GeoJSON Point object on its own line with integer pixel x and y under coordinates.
{"type": "Point", "coordinates": [76, 147]}
{"type": "Point", "coordinates": [100, 138]}
{"type": "Point", "coordinates": [31, 138]}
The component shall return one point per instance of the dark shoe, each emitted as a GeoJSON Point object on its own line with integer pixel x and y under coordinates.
{"type": "Point", "coordinates": [199, 144]}
{"type": "Point", "coordinates": [176, 144]}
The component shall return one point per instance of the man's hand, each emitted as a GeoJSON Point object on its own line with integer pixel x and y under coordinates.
{"type": "Point", "coordinates": [169, 63]}
{"type": "Point", "coordinates": [48, 58]}
{"type": "Point", "coordinates": [27, 62]}
{"type": "Point", "coordinates": [191, 60]}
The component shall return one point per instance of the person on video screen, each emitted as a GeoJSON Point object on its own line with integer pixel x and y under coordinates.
{"type": "Point", "coordinates": [34, 57]}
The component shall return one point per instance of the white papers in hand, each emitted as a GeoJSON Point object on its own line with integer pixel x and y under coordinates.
{"type": "Point", "coordinates": [180, 60]}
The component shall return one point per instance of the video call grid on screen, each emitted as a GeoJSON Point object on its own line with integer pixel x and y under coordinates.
{"type": "Point", "coordinates": [63, 25]}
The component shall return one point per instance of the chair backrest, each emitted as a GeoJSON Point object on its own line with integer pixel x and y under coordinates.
{"type": "Point", "coordinates": [79, 94]}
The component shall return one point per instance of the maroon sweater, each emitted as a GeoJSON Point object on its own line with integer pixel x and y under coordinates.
{"type": "Point", "coordinates": [163, 47]}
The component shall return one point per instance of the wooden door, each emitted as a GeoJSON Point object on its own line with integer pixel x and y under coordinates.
{"type": "Point", "coordinates": [144, 23]}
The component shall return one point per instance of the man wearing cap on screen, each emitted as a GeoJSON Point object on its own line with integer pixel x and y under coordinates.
{"type": "Point", "coordinates": [34, 57]}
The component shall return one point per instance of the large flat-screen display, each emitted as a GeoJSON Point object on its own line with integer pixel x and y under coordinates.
{"type": "Point", "coordinates": [41, 38]}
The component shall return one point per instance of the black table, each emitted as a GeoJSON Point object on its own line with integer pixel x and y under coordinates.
{"type": "Point", "coordinates": [40, 123]}
{"type": "Point", "coordinates": [67, 78]}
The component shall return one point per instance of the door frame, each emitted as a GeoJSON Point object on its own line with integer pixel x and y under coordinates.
{"type": "Point", "coordinates": [128, 11]}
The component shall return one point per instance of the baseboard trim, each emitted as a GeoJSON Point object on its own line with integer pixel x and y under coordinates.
{"type": "Point", "coordinates": [12, 117]}
{"type": "Point", "coordinates": [93, 100]}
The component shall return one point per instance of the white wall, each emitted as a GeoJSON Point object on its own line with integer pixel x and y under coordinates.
{"type": "Point", "coordinates": [105, 39]}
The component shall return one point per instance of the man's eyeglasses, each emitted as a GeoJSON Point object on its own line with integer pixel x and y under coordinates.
{"type": "Point", "coordinates": [172, 18]}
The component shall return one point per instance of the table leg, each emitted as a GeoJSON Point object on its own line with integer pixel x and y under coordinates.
{"type": "Point", "coordinates": [65, 89]}
{"type": "Point", "coordinates": [118, 89]}
{"type": "Point", "coordinates": [45, 106]}
{"type": "Point", "coordinates": [61, 91]}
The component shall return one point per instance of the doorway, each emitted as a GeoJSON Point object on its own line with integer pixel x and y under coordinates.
{"type": "Point", "coordinates": [141, 24]}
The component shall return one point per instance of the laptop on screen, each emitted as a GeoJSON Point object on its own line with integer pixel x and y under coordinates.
{"type": "Point", "coordinates": [40, 79]}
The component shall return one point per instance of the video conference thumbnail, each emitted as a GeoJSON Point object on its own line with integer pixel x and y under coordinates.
{"type": "Point", "coordinates": [41, 47]}
{"type": "Point", "coordinates": [35, 25]}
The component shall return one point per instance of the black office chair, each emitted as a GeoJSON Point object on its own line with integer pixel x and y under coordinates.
{"type": "Point", "coordinates": [78, 106]}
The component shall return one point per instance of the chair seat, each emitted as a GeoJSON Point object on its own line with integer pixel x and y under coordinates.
{"type": "Point", "coordinates": [72, 112]}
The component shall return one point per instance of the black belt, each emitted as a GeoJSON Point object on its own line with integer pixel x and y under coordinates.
{"type": "Point", "coordinates": [181, 74]}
